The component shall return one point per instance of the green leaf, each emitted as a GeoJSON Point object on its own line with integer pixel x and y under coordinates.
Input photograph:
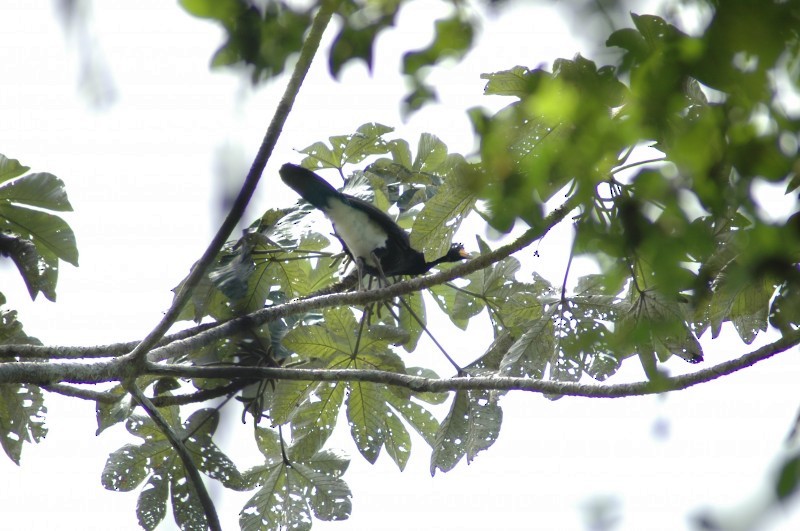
{"type": "Point", "coordinates": [453, 38]}
{"type": "Point", "coordinates": [530, 354]}
{"type": "Point", "coordinates": [401, 153]}
{"type": "Point", "coordinates": [472, 425]}
{"type": "Point", "coordinates": [441, 216]}
{"type": "Point", "coordinates": [48, 232]}
{"type": "Point", "coordinates": [126, 468]}
{"type": "Point", "coordinates": [366, 411]}
{"type": "Point", "coordinates": [151, 508]}
{"type": "Point", "coordinates": [744, 303]}
{"type": "Point", "coordinates": [419, 418]}
{"type": "Point", "coordinates": [347, 149]}
{"type": "Point", "coordinates": [288, 397]}
{"type": "Point", "coordinates": [110, 414]}
{"type": "Point", "coordinates": [398, 440]}
{"type": "Point", "coordinates": [289, 491]}
{"type": "Point", "coordinates": [656, 325]}
{"type": "Point", "coordinates": [314, 422]}
{"type": "Point", "coordinates": [315, 341]}
{"type": "Point", "coordinates": [10, 168]}
{"type": "Point", "coordinates": [362, 22]}
{"type": "Point", "coordinates": [34, 239]}
{"type": "Point", "coordinates": [223, 10]}
{"type": "Point", "coordinates": [11, 332]}
{"type": "Point", "coordinates": [261, 39]}
{"type": "Point", "coordinates": [788, 478]}
{"type": "Point", "coordinates": [431, 154]}
{"type": "Point", "coordinates": [156, 460]}
{"type": "Point", "coordinates": [519, 82]}
{"type": "Point", "coordinates": [42, 190]}
{"type": "Point", "coordinates": [22, 413]}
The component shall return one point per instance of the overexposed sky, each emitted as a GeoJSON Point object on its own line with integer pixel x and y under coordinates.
{"type": "Point", "coordinates": [146, 171]}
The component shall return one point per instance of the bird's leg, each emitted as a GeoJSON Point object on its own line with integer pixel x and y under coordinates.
{"type": "Point", "coordinates": [381, 276]}
{"type": "Point", "coordinates": [360, 269]}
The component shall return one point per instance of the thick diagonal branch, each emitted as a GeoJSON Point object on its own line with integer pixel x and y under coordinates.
{"type": "Point", "coordinates": [307, 53]}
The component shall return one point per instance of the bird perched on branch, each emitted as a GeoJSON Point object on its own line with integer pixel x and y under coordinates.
{"type": "Point", "coordinates": [377, 245]}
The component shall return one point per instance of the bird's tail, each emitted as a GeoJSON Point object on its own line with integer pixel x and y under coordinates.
{"type": "Point", "coordinates": [309, 185]}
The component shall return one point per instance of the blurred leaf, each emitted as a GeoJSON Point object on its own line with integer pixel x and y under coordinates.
{"type": "Point", "coordinates": [347, 149]}
{"type": "Point", "coordinates": [788, 478]}
{"type": "Point", "coordinates": [259, 38]}
{"type": "Point", "coordinates": [519, 82]}
{"type": "Point", "coordinates": [361, 25]}
{"type": "Point", "coordinates": [453, 38]}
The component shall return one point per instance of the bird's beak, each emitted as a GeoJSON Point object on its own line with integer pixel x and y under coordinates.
{"type": "Point", "coordinates": [464, 254]}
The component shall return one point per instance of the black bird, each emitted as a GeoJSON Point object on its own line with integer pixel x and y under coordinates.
{"type": "Point", "coordinates": [376, 244]}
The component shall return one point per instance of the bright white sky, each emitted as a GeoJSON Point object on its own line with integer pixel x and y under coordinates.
{"type": "Point", "coordinates": [145, 173]}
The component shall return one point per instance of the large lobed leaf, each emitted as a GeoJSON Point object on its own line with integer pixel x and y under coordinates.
{"type": "Point", "coordinates": [289, 491]}
{"type": "Point", "coordinates": [34, 239]}
{"type": "Point", "coordinates": [156, 460]}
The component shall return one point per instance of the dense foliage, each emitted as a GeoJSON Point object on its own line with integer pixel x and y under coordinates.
{"type": "Point", "coordinates": [659, 162]}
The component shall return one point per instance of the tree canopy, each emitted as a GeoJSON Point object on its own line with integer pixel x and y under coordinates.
{"type": "Point", "coordinates": [656, 156]}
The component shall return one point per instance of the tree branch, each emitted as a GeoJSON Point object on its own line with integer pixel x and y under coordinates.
{"type": "Point", "coordinates": [99, 351]}
{"type": "Point", "coordinates": [191, 470]}
{"type": "Point", "coordinates": [104, 371]}
{"type": "Point", "coordinates": [200, 396]}
{"type": "Point", "coordinates": [500, 383]}
{"type": "Point", "coordinates": [307, 53]}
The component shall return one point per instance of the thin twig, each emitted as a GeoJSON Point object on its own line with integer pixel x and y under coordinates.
{"type": "Point", "coordinates": [84, 394]}
{"type": "Point", "coordinates": [199, 396]}
{"type": "Point", "coordinates": [459, 370]}
{"type": "Point", "coordinates": [99, 351]}
{"type": "Point", "coordinates": [191, 470]}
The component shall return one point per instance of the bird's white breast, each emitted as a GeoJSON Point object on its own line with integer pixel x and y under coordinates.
{"type": "Point", "coordinates": [361, 235]}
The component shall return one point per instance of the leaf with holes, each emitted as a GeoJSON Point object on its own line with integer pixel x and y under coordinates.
{"type": "Point", "coordinates": [291, 488]}
{"type": "Point", "coordinates": [655, 326]}
{"type": "Point", "coordinates": [22, 413]}
{"type": "Point", "coordinates": [471, 426]}
{"type": "Point", "coordinates": [530, 354]}
{"type": "Point", "coordinates": [314, 421]}
{"type": "Point", "coordinates": [156, 460]}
